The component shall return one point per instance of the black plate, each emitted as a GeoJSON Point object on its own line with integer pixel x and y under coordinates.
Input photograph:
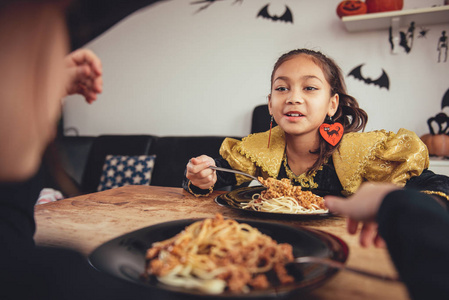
{"type": "Point", "coordinates": [124, 257]}
{"type": "Point", "coordinates": [234, 198]}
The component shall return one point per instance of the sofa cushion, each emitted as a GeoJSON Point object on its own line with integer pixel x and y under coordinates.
{"type": "Point", "coordinates": [121, 170]}
{"type": "Point", "coordinates": [104, 145]}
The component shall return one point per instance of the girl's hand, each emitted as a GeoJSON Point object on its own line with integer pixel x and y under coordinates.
{"type": "Point", "coordinates": [362, 207]}
{"type": "Point", "coordinates": [198, 172]}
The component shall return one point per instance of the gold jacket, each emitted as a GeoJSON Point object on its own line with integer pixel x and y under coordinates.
{"type": "Point", "coordinates": [379, 156]}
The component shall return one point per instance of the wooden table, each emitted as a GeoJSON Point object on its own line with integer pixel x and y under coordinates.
{"type": "Point", "coordinates": [85, 222]}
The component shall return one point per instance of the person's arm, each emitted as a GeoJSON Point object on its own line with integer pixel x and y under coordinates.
{"type": "Point", "coordinates": [84, 72]}
{"type": "Point", "coordinates": [416, 231]}
{"type": "Point", "coordinates": [414, 228]}
{"type": "Point", "coordinates": [84, 77]}
{"type": "Point", "coordinates": [362, 207]}
{"type": "Point", "coordinates": [222, 179]}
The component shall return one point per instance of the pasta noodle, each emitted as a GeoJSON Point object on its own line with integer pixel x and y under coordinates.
{"type": "Point", "coordinates": [282, 197]}
{"type": "Point", "coordinates": [214, 255]}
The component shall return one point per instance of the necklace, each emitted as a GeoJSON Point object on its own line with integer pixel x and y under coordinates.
{"type": "Point", "coordinates": [306, 181]}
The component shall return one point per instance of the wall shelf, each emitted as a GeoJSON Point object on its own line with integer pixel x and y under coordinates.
{"type": "Point", "coordinates": [401, 18]}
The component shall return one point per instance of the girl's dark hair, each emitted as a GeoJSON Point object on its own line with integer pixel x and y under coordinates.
{"type": "Point", "coordinates": [348, 113]}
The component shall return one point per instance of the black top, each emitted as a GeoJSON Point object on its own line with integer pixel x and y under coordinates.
{"type": "Point", "coordinates": [30, 272]}
{"type": "Point", "coordinates": [415, 228]}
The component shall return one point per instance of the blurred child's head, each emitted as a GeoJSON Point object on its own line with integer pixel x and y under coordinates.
{"type": "Point", "coordinates": [34, 41]}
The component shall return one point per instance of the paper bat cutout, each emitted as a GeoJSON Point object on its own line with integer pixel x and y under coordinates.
{"type": "Point", "coordinates": [286, 17]}
{"type": "Point", "coordinates": [382, 81]}
{"type": "Point", "coordinates": [404, 42]}
{"type": "Point", "coordinates": [445, 101]}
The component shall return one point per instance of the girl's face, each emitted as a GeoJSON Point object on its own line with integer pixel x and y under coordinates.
{"type": "Point", "coordinates": [301, 97]}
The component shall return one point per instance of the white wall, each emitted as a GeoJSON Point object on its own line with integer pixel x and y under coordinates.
{"type": "Point", "coordinates": [169, 70]}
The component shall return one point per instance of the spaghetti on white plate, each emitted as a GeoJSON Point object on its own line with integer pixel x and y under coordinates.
{"type": "Point", "coordinates": [282, 197]}
{"type": "Point", "coordinates": [214, 255]}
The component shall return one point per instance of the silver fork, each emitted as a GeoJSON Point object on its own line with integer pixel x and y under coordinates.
{"type": "Point", "coordinates": [236, 172]}
{"type": "Point", "coordinates": [341, 266]}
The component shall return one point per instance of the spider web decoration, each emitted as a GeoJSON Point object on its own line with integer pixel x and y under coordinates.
{"type": "Point", "coordinates": [207, 3]}
{"type": "Point", "coordinates": [423, 32]}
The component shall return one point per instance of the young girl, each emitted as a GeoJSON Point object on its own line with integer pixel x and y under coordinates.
{"type": "Point", "coordinates": [316, 143]}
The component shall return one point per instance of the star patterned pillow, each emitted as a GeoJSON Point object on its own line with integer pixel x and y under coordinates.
{"type": "Point", "coordinates": [120, 170]}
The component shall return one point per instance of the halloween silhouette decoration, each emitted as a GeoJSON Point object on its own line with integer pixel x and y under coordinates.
{"type": "Point", "coordinates": [406, 38]}
{"type": "Point", "coordinates": [286, 17]}
{"type": "Point", "coordinates": [208, 3]}
{"type": "Point", "coordinates": [423, 32]}
{"type": "Point", "coordinates": [410, 35]}
{"type": "Point", "coordinates": [390, 38]}
{"type": "Point", "coordinates": [441, 120]}
{"type": "Point", "coordinates": [442, 46]}
{"type": "Point", "coordinates": [437, 142]}
{"type": "Point", "coordinates": [382, 82]}
{"type": "Point", "coordinates": [445, 101]}
{"type": "Point", "coordinates": [404, 42]}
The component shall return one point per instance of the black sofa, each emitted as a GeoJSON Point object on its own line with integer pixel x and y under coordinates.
{"type": "Point", "coordinates": [83, 156]}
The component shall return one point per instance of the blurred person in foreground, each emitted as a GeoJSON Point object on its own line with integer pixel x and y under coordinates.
{"type": "Point", "coordinates": [37, 73]}
{"type": "Point", "coordinates": [52, 181]}
{"type": "Point", "coordinates": [414, 228]}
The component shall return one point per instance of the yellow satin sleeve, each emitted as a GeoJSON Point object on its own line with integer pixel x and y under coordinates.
{"type": "Point", "coordinates": [379, 156]}
{"type": "Point", "coordinates": [236, 160]}
{"type": "Point", "coordinates": [253, 156]}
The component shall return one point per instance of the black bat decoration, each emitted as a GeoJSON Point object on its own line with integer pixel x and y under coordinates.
{"type": "Point", "coordinates": [390, 38]}
{"type": "Point", "coordinates": [286, 17]}
{"type": "Point", "coordinates": [382, 81]}
{"type": "Point", "coordinates": [404, 43]}
{"type": "Point", "coordinates": [445, 101]}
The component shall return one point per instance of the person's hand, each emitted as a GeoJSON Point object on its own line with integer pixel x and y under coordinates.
{"type": "Point", "coordinates": [84, 74]}
{"type": "Point", "coordinates": [362, 207]}
{"type": "Point", "coordinates": [199, 173]}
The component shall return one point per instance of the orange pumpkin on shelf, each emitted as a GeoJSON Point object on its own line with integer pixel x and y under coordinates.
{"type": "Point", "coordinates": [351, 8]}
{"type": "Point", "coordinates": [437, 144]}
{"type": "Point", "coordinates": [374, 6]}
